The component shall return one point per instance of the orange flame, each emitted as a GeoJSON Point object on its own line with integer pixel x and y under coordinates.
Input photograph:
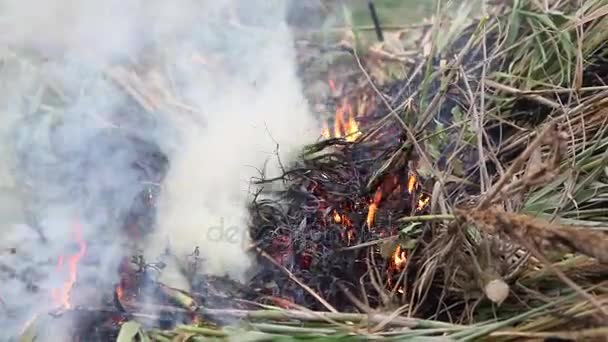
{"type": "Point", "coordinates": [371, 214]}
{"type": "Point", "coordinates": [352, 128]}
{"type": "Point", "coordinates": [399, 258]}
{"type": "Point", "coordinates": [373, 208]}
{"type": "Point", "coordinates": [411, 183]}
{"type": "Point", "coordinates": [338, 122]}
{"type": "Point", "coordinates": [343, 219]}
{"type": "Point", "coordinates": [345, 124]}
{"type": "Point", "coordinates": [346, 127]}
{"type": "Point", "coordinates": [62, 296]}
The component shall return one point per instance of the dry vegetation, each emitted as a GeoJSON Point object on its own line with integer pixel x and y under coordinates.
{"type": "Point", "coordinates": [503, 119]}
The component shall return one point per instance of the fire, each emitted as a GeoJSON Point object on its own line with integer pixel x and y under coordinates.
{"type": "Point", "coordinates": [119, 292]}
{"type": "Point", "coordinates": [343, 219]}
{"type": "Point", "coordinates": [399, 258]}
{"type": "Point", "coordinates": [337, 217]}
{"type": "Point", "coordinates": [373, 208]}
{"type": "Point", "coordinates": [423, 201]}
{"type": "Point", "coordinates": [352, 131]}
{"type": "Point", "coordinates": [345, 123]}
{"type": "Point", "coordinates": [325, 132]}
{"type": "Point", "coordinates": [371, 214]}
{"type": "Point", "coordinates": [62, 296]}
{"type": "Point", "coordinates": [411, 183]}
{"type": "Point", "coordinates": [349, 235]}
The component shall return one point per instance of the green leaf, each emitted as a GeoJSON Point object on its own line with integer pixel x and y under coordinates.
{"type": "Point", "coordinates": [410, 228]}
{"type": "Point", "coordinates": [515, 24]}
{"type": "Point", "coordinates": [130, 331]}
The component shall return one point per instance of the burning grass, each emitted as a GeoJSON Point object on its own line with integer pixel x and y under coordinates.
{"type": "Point", "coordinates": [462, 199]}
{"type": "Point", "coordinates": [434, 209]}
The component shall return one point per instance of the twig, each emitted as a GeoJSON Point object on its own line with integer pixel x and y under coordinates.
{"type": "Point", "coordinates": [426, 218]}
{"type": "Point", "coordinates": [122, 79]}
{"type": "Point", "coordinates": [562, 90]}
{"type": "Point", "coordinates": [533, 97]}
{"type": "Point", "coordinates": [296, 280]}
{"type": "Point", "coordinates": [478, 126]}
{"type": "Point", "coordinates": [202, 331]}
{"type": "Point", "coordinates": [565, 335]}
{"type": "Point", "coordinates": [359, 304]}
{"type": "Point", "coordinates": [368, 243]}
{"type": "Point", "coordinates": [286, 329]}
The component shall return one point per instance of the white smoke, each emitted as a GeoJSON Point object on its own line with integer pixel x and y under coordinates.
{"type": "Point", "coordinates": [222, 94]}
{"type": "Point", "coordinates": [250, 103]}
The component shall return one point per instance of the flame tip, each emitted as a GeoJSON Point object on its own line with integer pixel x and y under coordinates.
{"type": "Point", "coordinates": [62, 295]}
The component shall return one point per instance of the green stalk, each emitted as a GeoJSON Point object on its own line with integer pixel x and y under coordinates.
{"type": "Point", "coordinates": [326, 316]}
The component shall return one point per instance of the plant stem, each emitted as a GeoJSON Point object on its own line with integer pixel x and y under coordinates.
{"type": "Point", "coordinates": [323, 316]}
{"type": "Point", "coordinates": [426, 218]}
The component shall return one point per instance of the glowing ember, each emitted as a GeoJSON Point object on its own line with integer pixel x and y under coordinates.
{"type": "Point", "coordinates": [371, 214]}
{"type": "Point", "coordinates": [119, 292]}
{"type": "Point", "coordinates": [373, 208]}
{"type": "Point", "coordinates": [399, 258]}
{"type": "Point", "coordinates": [337, 217]}
{"type": "Point", "coordinates": [423, 202]}
{"type": "Point", "coordinates": [411, 184]}
{"type": "Point", "coordinates": [62, 296]}
{"type": "Point", "coordinates": [348, 234]}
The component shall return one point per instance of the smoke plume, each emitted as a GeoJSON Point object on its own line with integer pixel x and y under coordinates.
{"type": "Point", "coordinates": [106, 103]}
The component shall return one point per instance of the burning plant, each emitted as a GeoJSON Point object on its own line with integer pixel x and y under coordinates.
{"type": "Point", "coordinates": [355, 224]}
{"type": "Point", "coordinates": [435, 201]}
